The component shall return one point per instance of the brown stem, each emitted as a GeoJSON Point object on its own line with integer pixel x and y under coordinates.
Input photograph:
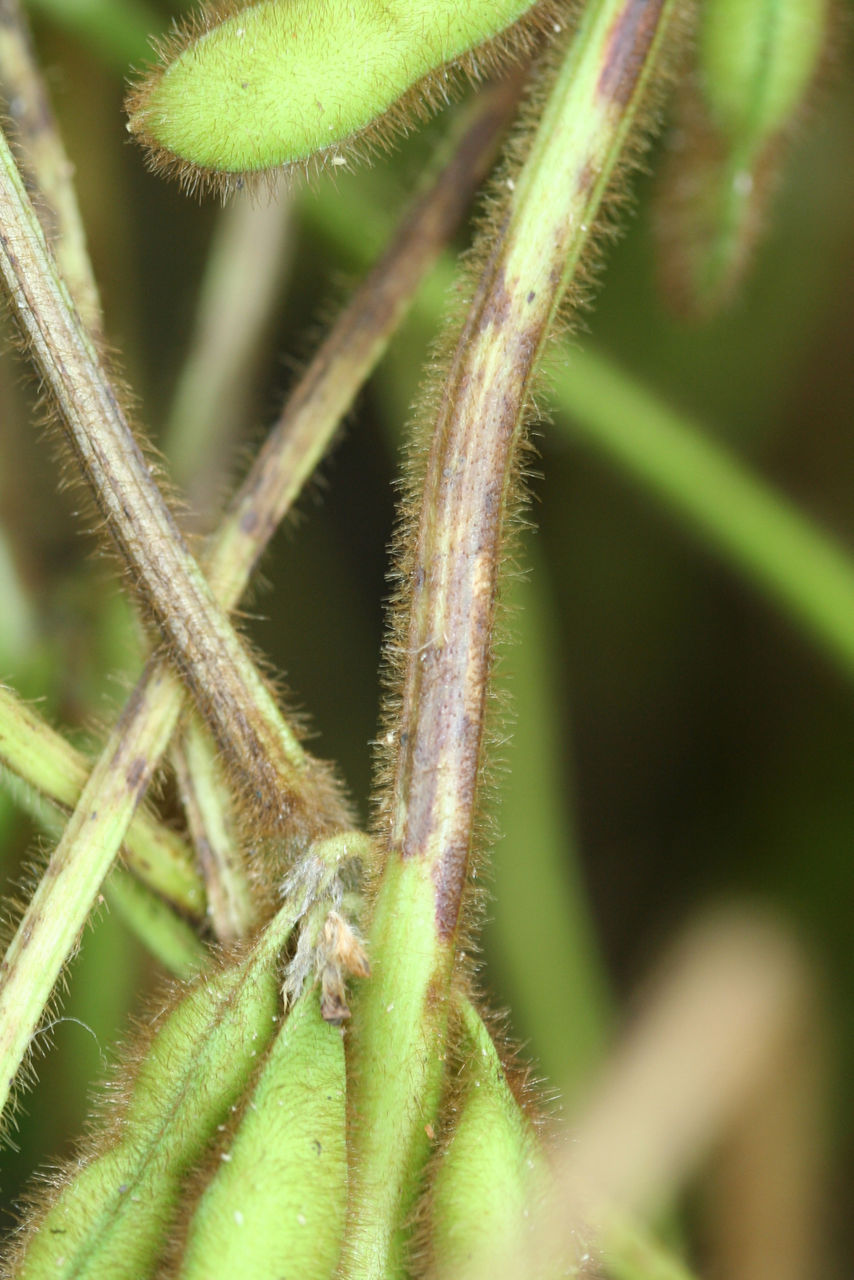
{"type": "Point", "coordinates": [155, 705]}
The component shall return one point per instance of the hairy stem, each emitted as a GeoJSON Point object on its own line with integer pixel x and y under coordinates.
{"type": "Point", "coordinates": [57, 912]}
{"type": "Point", "coordinates": [450, 576]}
{"type": "Point", "coordinates": [45, 761]}
{"type": "Point", "coordinates": [167, 935]}
{"type": "Point", "coordinates": [296, 444]}
{"type": "Point", "coordinates": [205, 797]}
{"type": "Point", "coordinates": [212, 659]}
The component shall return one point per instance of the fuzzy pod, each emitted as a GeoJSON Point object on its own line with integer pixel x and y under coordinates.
{"type": "Point", "coordinates": [757, 59]}
{"type": "Point", "coordinates": [491, 1171]}
{"type": "Point", "coordinates": [276, 1203]}
{"type": "Point", "coordinates": [109, 1220]}
{"type": "Point", "coordinates": [250, 88]}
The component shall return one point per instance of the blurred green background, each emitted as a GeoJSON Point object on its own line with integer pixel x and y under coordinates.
{"type": "Point", "coordinates": [679, 739]}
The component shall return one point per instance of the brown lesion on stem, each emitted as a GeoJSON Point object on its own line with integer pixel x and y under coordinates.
{"type": "Point", "coordinates": [449, 568]}
{"type": "Point", "coordinates": [629, 45]}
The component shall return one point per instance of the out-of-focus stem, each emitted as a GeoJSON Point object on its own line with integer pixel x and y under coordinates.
{"type": "Point", "coordinates": [169, 938]}
{"type": "Point", "coordinates": [714, 1029]}
{"type": "Point", "coordinates": [239, 290]}
{"type": "Point", "coordinates": [117, 29]}
{"type": "Point", "coordinates": [741, 517]}
{"type": "Point", "coordinates": [449, 577]}
{"type": "Point", "coordinates": [44, 156]}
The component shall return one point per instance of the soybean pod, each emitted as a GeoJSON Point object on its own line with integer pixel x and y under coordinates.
{"type": "Point", "coordinates": [276, 1202]}
{"type": "Point", "coordinates": [257, 87]}
{"type": "Point", "coordinates": [110, 1215]}
{"type": "Point", "coordinates": [491, 1171]}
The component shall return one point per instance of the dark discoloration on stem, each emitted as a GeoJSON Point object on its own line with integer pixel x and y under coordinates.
{"type": "Point", "coordinates": [300, 440]}
{"type": "Point", "coordinates": [452, 570]}
{"type": "Point", "coordinates": [628, 48]}
{"type": "Point", "coordinates": [362, 330]}
{"type": "Point", "coordinates": [454, 582]}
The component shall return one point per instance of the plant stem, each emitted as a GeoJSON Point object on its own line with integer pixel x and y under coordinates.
{"type": "Point", "coordinates": [169, 938]}
{"type": "Point", "coordinates": [754, 528]}
{"type": "Point", "coordinates": [45, 761]}
{"type": "Point", "coordinates": [450, 577]}
{"type": "Point", "coordinates": [205, 798]}
{"type": "Point", "coordinates": [78, 866]}
{"type": "Point", "coordinates": [156, 924]}
{"type": "Point", "coordinates": [51, 925]}
{"type": "Point", "coordinates": [117, 29]}
{"type": "Point", "coordinates": [355, 344]}
{"type": "Point", "coordinates": [241, 284]}
{"type": "Point", "coordinates": [211, 658]}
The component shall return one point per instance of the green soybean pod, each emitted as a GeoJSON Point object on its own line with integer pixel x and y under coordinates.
{"type": "Point", "coordinates": [275, 83]}
{"type": "Point", "coordinates": [276, 1203]}
{"type": "Point", "coordinates": [757, 58]}
{"type": "Point", "coordinates": [491, 1170]}
{"type": "Point", "coordinates": [109, 1219]}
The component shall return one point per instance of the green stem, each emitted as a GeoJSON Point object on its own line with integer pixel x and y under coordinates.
{"type": "Point", "coordinates": [631, 1252]}
{"type": "Point", "coordinates": [51, 924]}
{"type": "Point", "coordinates": [118, 30]}
{"type": "Point", "coordinates": [155, 923]}
{"type": "Point", "coordinates": [449, 575]}
{"type": "Point", "coordinates": [169, 938]}
{"type": "Point", "coordinates": [43, 760]}
{"type": "Point", "coordinates": [540, 939]}
{"type": "Point", "coordinates": [205, 798]}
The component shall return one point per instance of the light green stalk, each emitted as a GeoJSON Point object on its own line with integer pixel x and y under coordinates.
{"type": "Point", "coordinates": [44, 760]}
{"type": "Point", "coordinates": [450, 576]}
{"type": "Point", "coordinates": [117, 29]}
{"type": "Point", "coordinates": [206, 800]}
{"type": "Point", "coordinates": [168, 936]}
